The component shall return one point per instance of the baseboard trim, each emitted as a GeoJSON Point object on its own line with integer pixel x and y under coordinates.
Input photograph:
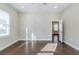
{"type": "Point", "coordinates": [21, 39]}
{"type": "Point", "coordinates": [6, 46]}
{"type": "Point", "coordinates": [71, 45]}
{"type": "Point", "coordinates": [36, 39]}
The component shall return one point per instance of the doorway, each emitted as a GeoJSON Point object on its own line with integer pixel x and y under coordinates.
{"type": "Point", "coordinates": [57, 31]}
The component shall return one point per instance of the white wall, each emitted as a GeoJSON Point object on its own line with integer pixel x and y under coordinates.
{"type": "Point", "coordinates": [39, 26]}
{"type": "Point", "coordinates": [7, 40]}
{"type": "Point", "coordinates": [71, 26]}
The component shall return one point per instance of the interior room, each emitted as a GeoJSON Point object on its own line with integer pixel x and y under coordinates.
{"type": "Point", "coordinates": [39, 28]}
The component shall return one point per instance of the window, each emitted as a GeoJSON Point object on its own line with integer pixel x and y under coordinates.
{"type": "Point", "coordinates": [4, 23]}
{"type": "Point", "coordinates": [55, 26]}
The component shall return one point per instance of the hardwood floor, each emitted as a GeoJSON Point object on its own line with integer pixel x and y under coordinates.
{"type": "Point", "coordinates": [63, 49]}
{"type": "Point", "coordinates": [32, 48]}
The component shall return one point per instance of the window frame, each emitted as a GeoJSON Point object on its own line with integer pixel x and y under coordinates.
{"type": "Point", "coordinates": [7, 20]}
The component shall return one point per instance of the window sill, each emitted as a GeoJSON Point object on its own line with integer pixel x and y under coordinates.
{"type": "Point", "coordinates": [3, 35]}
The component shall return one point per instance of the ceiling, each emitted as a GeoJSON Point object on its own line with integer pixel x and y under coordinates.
{"type": "Point", "coordinates": [40, 7]}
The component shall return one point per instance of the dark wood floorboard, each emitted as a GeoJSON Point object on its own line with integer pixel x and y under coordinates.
{"type": "Point", "coordinates": [64, 49]}
{"type": "Point", "coordinates": [32, 48]}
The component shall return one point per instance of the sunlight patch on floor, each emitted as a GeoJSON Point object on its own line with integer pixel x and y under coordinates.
{"type": "Point", "coordinates": [48, 49]}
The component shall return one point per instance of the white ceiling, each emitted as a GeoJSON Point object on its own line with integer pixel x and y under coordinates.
{"type": "Point", "coordinates": [40, 7]}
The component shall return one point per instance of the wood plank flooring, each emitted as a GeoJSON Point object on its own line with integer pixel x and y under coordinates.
{"type": "Point", "coordinates": [33, 47]}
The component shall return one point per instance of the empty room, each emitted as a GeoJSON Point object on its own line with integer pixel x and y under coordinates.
{"type": "Point", "coordinates": [39, 28]}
